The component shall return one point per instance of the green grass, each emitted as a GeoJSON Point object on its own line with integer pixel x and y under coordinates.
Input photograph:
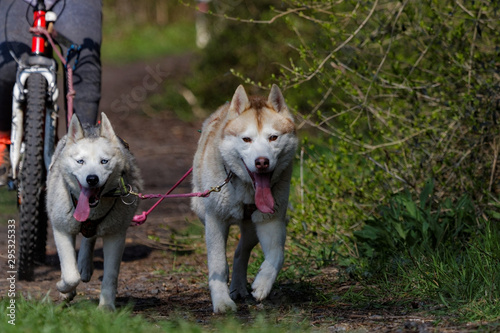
{"type": "Point", "coordinates": [440, 255]}
{"type": "Point", "coordinates": [42, 316]}
{"type": "Point", "coordinates": [8, 204]}
{"type": "Point", "coordinates": [45, 316]}
{"type": "Point", "coordinates": [171, 98]}
{"type": "Point", "coordinates": [127, 43]}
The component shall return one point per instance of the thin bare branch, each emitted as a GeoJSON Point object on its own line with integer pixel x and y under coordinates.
{"type": "Point", "coordinates": [324, 61]}
{"type": "Point", "coordinates": [270, 21]}
{"type": "Point", "coordinates": [386, 52]}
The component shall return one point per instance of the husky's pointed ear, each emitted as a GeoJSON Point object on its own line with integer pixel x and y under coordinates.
{"type": "Point", "coordinates": [240, 101]}
{"type": "Point", "coordinates": [106, 130]}
{"type": "Point", "coordinates": [276, 99]}
{"type": "Point", "coordinates": [75, 129]}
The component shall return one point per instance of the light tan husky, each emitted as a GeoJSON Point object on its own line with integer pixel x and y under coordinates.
{"type": "Point", "coordinates": [252, 142]}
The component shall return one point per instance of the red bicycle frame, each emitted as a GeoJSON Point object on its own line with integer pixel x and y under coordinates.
{"type": "Point", "coordinates": [38, 41]}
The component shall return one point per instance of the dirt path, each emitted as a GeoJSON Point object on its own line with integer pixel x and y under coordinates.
{"type": "Point", "coordinates": [161, 282]}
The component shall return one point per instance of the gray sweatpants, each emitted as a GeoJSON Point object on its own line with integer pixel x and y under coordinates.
{"type": "Point", "coordinates": [78, 20]}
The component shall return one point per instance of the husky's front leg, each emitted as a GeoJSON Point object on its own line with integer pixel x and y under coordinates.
{"type": "Point", "coordinates": [247, 242]}
{"type": "Point", "coordinates": [86, 257]}
{"type": "Point", "coordinates": [216, 233]}
{"type": "Point", "coordinates": [113, 246]}
{"type": "Point", "coordinates": [272, 237]}
{"type": "Point", "coordinates": [70, 278]}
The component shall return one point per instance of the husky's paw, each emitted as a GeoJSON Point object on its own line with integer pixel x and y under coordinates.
{"type": "Point", "coordinates": [261, 287]}
{"type": "Point", "coordinates": [67, 297]}
{"type": "Point", "coordinates": [239, 292]}
{"type": "Point", "coordinates": [67, 286]}
{"type": "Point", "coordinates": [86, 272]}
{"type": "Point", "coordinates": [223, 305]}
{"type": "Point", "coordinates": [107, 307]}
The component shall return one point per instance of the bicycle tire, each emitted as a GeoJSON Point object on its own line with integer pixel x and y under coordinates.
{"type": "Point", "coordinates": [32, 212]}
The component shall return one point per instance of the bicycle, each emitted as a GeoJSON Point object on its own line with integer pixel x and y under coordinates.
{"type": "Point", "coordinates": [33, 137]}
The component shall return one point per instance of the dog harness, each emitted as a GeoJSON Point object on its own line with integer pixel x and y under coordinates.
{"type": "Point", "coordinates": [88, 228]}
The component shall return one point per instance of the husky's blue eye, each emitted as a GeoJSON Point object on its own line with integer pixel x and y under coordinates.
{"type": "Point", "coordinates": [80, 161]}
{"type": "Point", "coordinates": [104, 161]}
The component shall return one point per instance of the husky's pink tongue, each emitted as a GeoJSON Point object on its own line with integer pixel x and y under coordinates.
{"type": "Point", "coordinates": [263, 197]}
{"type": "Point", "coordinates": [82, 210]}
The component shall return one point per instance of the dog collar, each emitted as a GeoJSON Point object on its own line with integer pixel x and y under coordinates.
{"type": "Point", "coordinates": [122, 190]}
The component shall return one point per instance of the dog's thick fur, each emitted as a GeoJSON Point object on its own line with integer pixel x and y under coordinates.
{"type": "Point", "coordinates": [83, 179]}
{"type": "Point", "coordinates": [254, 140]}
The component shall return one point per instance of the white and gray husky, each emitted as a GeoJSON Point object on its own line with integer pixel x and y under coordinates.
{"type": "Point", "coordinates": [91, 169]}
{"type": "Point", "coordinates": [251, 142]}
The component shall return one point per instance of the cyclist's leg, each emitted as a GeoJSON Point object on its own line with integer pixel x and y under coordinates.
{"type": "Point", "coordinates": [81, 22]}
{"type": "Point", "coordinates": [14, 37]}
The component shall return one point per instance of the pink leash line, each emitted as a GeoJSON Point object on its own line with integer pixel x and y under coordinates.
{"type": "Point", "coordinates": [141, 218]}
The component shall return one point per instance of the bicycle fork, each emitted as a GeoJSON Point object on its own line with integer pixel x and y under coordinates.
{"type": "Point", "coordinates": [47, 67]}
{"type": "Point", "coordinates": [18, 101]}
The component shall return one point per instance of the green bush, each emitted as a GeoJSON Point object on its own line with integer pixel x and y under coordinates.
{"type": "Point", "coordinates": [329, 197]}
{"type": "Point", "coordinates": [438, 251]}
{"type": "Point", "coordinates": [411, 84]}
{"type": "Point", "coordinates": [409, 87]}
{"type": "Point", "coordinates": [406, 226]}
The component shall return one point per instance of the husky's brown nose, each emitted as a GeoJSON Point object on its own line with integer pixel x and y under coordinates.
{"type": "Point", "coordinates": [261, 163]}
{"type": "Point", "coordinates": [92, 180]}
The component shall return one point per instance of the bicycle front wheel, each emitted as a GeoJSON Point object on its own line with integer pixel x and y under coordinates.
{"type": "Point", "coordinates": [32, 214]}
